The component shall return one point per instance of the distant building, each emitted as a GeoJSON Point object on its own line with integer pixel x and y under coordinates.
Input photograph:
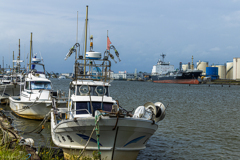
{"type": "Point", "coordinates": [123, 75]}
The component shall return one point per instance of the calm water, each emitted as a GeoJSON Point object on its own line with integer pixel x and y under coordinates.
{"type": "Point", "coordinates": [201, 122]}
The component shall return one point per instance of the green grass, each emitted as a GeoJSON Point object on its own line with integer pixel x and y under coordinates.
{"type": "Point", "coordinates": [15, 153]}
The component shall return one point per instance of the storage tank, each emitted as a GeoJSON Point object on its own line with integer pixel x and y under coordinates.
{"type": "Point", "coordinates": [236, 68]}
{"type": "Point", "coordinates": [184, 67]}
{"type": "Point", "coordinates": [221, 71]}
{"type": "Point", "coordinates": [202, 66]}
{"type": "Point", "coordinates": [212, 72]}
{"type": "Point", "coordinates": [229, 70]}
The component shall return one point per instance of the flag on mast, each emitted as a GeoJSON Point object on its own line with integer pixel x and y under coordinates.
{"type": "Point", "coordinates": [108, 43]}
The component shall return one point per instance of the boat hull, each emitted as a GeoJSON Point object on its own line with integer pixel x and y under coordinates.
{"type": "Point", "coordinates": [180, 77]}
{"type": "Point", "coordinates": [30, 109]}
{"type": "Point", "coordinates": [123, 142]}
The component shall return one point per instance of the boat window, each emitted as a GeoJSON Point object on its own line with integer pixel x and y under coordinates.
{"type": "Point", "coordinates": [27, 85]}
{"type": "Point", "coordinates": [7, 78]}
{"type": "Point", "coordinates": [35, 85]}
{"type": "Point", "coordinates": [37, 68]}
{"type": "Point", "coordinates": [93, 91]}
{"type": "Point", "coordinates": [82, 107]}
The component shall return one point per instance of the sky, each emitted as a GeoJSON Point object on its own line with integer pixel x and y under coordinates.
{"type": "Point", "coordinates": [140, 30]}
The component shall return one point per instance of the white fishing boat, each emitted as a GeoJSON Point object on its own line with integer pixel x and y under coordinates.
{"type": "Point", "coordinates": [62, 77]}
{"type": "Point", "coordinates": [35, 100]}
{"type": "Point", "coordinates": [36, 97]}
{"type": "Point", "coordinates": [119, 133]}
{"type": "Point", "coordinates": [11, 86]}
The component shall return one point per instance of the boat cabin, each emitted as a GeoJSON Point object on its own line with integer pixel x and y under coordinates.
{"type": "Point", "coordinates": [90, 96]}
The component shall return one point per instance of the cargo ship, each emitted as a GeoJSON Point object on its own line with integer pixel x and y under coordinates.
{"type": "Point", "coordinates": [162, 67]}
{"type": "Point", "coordinates": [181, 77]}
{"type": "Point", "coordinates": [188, 76]}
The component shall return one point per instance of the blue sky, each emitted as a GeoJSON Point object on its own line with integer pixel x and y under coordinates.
{"type": "Point", "coordinates": [140, 30]}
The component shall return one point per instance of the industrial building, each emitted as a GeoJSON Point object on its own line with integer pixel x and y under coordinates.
{"type": "Point", "coordinates": [230, 70]}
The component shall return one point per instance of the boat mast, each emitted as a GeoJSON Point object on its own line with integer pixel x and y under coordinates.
{"type": "Point", "coordinates": [107, 44]}
{"type": "Point", "coordinates": [13, 61]}
{"type": "Point", "coordinates": [30, 56]}
{"type": "Point", "coordinates": [19, 50]}
{"type": "Point", "coordinates": [163, 56]}
{"type": "Point", "coordinates": [3, 64]}
{"type": "Point", "coordinates": [18, 58]}
{"type": "Point", "coordinates": [85, 49]}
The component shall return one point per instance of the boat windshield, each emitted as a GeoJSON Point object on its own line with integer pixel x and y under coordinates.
{"type": "Point", "coordinates": [85, 107]}
{"type": "Point", "coordinates": [35, 85]}
{"type": "Point", "coordinates": [6, 78]}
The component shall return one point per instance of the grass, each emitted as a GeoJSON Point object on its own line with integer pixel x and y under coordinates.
{"type": "Point", "coordinates": [15, 153]}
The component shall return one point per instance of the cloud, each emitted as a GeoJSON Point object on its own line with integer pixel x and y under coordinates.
{"type": "Point", "coordinates": [215, 49]}
{"type": "Point", "coordinates": [232, 19]}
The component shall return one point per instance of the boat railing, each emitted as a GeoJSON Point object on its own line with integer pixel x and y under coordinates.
{"type": "Point", "coordinates": [93, 69]}
{"type": "Point", "coordinates": [35, 70]}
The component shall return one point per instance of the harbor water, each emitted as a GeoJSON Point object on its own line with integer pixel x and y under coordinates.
{"type": "Point", "coordinates": [201, 122]}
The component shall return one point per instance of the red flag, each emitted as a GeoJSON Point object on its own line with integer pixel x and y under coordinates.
{"type": "Point", "coordinates": [108, 43]}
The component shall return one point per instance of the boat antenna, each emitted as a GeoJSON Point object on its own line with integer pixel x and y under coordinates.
{"type": "Point", "coordinates": [163, 56]}
{"type": "Point", "coordinates": [76, 37]}
{"type": "Point", "coordinates": [77, 29]}
{"type": "Point", "coordinates": [85, 49]}
{"type": "Point", "coordinates": [107, 45]}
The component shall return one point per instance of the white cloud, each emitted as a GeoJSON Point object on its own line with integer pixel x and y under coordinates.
{"type": "Point", "coordinates": [215, 49]}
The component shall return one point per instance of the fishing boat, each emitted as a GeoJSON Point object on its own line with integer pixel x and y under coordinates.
{"type": "Point", "coordinates": [119, 133]}
{"type": "Point", "coordinates": [11, 85]}
{"type": "Point", "coordinates": [62, 77]}
{"type": "Point", "coordinates": [12, 80]}
{"type": "Point", "coordinates": [35, 99]}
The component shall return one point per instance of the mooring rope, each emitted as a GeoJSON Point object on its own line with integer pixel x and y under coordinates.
{"type": "Point", "coordinates": [41, 124]}
{"type": "Point", "coordinates": [37, 98]}
{"type": "Point", "coordinates": [97, 119]}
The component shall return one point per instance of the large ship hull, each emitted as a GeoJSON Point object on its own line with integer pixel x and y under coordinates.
{"type": "Point", "coordinates": [184, 77]}
{"type": "Point", "coordinates": [179, 81]}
